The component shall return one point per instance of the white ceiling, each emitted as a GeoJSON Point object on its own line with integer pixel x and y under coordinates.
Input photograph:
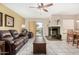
{"type": "Point", "coordinates": [57, 9]}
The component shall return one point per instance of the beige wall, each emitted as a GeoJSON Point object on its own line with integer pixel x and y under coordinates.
{"type": "Point", "coordinates": [18, 20]}
{"type": "Point", "coordinates": [32, 27]}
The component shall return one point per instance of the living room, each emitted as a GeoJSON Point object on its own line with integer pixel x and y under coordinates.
{"type": "Point", "coordinates": [18, 28]}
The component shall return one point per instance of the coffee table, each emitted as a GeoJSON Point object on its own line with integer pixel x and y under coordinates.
{"type": "Point", "coordinates": [39, 46]}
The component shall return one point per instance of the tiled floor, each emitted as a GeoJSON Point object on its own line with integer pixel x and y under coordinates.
{"type": "Point", "coordinates": [53, 48]}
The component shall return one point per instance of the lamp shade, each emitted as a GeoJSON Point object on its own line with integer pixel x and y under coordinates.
{"type": "Point", "coordinates": [23, 26]}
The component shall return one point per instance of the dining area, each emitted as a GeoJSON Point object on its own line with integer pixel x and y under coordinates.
{"type": "Point", "coordinates": [73, 37]}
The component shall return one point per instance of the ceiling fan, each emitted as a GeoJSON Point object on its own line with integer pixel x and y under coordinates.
{"type": "Point", "coordinates": [42, 6]}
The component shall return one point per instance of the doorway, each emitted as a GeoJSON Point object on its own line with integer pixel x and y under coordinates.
{"type": "Point", "coordinates": [39, 29]}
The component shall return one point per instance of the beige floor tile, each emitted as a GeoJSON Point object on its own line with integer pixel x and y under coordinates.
{"type": "Point", "coordinates": [53, 48]}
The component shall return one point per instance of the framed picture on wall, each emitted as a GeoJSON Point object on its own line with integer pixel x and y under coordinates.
{"type": "Point", "coordinates": [1, 19]}
{"type": "Point", "coordinates": [9, 21]}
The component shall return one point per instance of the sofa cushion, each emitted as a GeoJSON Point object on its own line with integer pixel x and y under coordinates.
{"type": "Point", "coordinates": [5, 35]}
{"type": "Point", "coordinates": [18, 41]}
{"type": "Point", "coordinates": [23, 32]}
{"type": "Point", "coordinates": [14, 33]}
{"type": "Point", "coordinates": [25, 37]}
{"type": "Point", "coordinates": [8, 38]}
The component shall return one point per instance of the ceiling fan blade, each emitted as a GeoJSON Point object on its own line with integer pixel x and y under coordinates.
{"type": "Point", "coordinates": [45, 10]}
{"type": "Point", "coordinates": [42, 4]}
{"type": "Point", "coordinates": [48, 5]}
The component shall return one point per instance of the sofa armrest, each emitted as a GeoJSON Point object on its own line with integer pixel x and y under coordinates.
{"type": "Point", "coordinates": [8, 41]}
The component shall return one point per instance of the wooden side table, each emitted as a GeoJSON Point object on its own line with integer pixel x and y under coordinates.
{"type": "Point", "coordinates": [2, 47]}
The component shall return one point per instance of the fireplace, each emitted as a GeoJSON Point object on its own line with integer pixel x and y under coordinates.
{"type": "Point", "coordinates": [54, 32]}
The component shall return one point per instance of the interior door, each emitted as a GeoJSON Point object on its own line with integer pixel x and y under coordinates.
{"type": "Point", "coordinates": [67, 24]}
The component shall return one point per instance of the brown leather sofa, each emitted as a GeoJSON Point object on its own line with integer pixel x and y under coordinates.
{"type": "Point", "coordinates": [19, 39]}
{"type": "Point", "coordinates": [6, 36]}
{"type": "Point", "coordinates": [13, 40]}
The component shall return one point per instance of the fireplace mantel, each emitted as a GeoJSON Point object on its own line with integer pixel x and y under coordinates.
{"type": "Point", "coordinates": [55, 26]}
